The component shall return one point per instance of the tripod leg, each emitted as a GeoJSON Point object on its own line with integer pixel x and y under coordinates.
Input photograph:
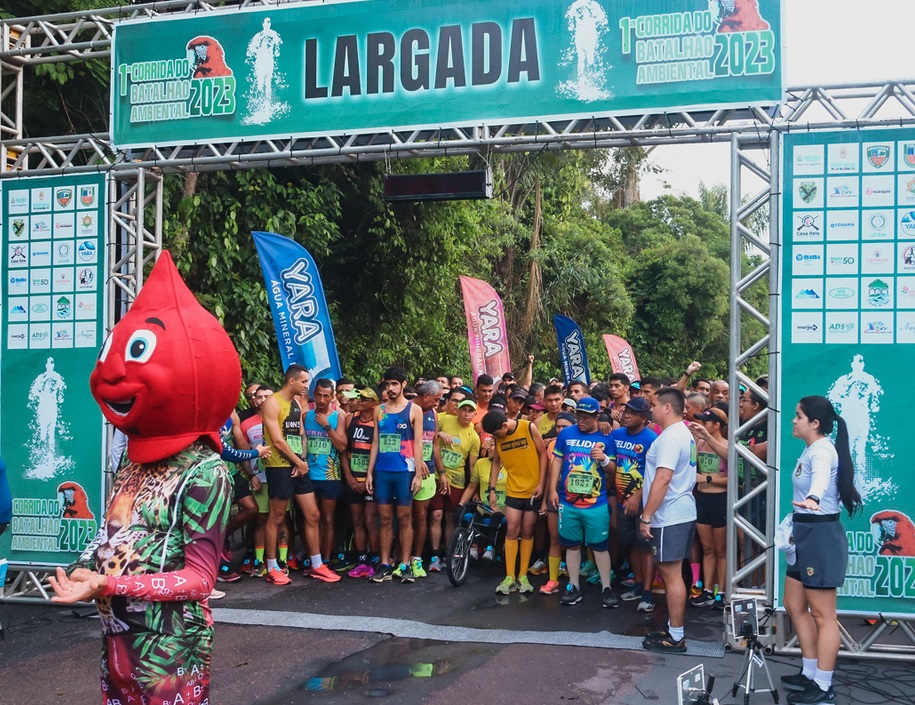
{"type": "Point", "coordinates": [746, 665]}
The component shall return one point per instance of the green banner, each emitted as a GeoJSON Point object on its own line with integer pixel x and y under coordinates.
{"type": "Point", "coordinates": [848, 315]}
{"type": "Point", "coordinates": [369, 65]}
{"type": "Point", "coordinates": [53, 313]}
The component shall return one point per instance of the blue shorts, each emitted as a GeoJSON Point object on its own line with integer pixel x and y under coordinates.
{"type": "Point", "coordinates": [328, 489]}
{"type": "Point", "coordinates": [589, 526]}
{"type": "Point", "coordinates": [393, 485]}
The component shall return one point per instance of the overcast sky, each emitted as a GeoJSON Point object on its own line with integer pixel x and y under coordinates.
{"type": "Point", "coordinates": [826, 42]}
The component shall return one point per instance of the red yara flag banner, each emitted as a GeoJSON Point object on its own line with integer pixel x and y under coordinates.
{"type": "Point", "coordinates": [622, 358]}
{"type": "Point", "coordinates": [486, 334]}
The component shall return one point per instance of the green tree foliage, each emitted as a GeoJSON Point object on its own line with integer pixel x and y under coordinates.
{"type": "Point", "coordinates": [565, 233]}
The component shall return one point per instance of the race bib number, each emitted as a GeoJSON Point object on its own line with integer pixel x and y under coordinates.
{"type": "Point", "coordinates": [580, 483]}
{"type": "Point", "coordinates": [319, 446]}
{"type": "Point", "coordinates": [708, 463]}
{"type": "Point", "coordinates": [450, 459]}
{"type": "Point", "coordinates": [295, 444]}
{"type": "Point", "coordinates": [359, 464]}
{"type": "Point", "coordinates": [427, 452]}
{"type": "Point", "coordinates": [389, 443]}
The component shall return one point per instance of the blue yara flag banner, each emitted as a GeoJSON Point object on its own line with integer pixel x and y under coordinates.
{"type": "Point", "coordinates": [300, 315]}
{"type": "Point", "coordinates": [571, 350]}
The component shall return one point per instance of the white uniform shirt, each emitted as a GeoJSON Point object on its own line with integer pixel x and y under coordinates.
{"type": "Point", "coordinates": [817, 474]}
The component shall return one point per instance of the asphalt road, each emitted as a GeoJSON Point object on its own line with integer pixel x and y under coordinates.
{"type": "Point", "coordinates": [429, 642]}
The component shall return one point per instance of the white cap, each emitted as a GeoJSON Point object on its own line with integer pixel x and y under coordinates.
{"type": "Point", "coordinates": [784, 539]}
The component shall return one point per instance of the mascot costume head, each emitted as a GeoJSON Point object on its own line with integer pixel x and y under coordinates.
{"type": "Point", "coordinates": [167, 375]}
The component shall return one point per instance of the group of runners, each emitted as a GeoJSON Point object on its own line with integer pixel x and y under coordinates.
{"type": "Point", "coordinates": [576, 481]}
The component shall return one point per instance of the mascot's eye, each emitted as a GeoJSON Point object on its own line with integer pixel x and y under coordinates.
{"type": "Point", "coordinates": [106, 346]}
{"type": "Point", "coordinates": [140, 347]}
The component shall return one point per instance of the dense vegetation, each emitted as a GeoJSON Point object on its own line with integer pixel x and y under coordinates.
{"type": "Point", "coordinates": [565, 233]}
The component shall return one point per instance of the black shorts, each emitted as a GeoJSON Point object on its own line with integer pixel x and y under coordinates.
{"type": "Point", "coordinates": [350, 496]}
{"type": "Point", "coordinates": [241, 488]}
{"type": "Point", "coordinates": [627, 532]}
{"type": "Point", "coordinates": [822, 551]}
{"type": "Point", "coordinates": [282, 485]}
{"type": "Point", "coordinates": [712, 509]}
{"type": "Point", "coordinates": [523, 504]}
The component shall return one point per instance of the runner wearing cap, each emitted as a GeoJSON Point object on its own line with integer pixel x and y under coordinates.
{"type": "Point", "coordinates": [360, 430]}
{"type": "Point", "coordinates": [710, 431]}
{"type": "Point", "coordinates": [633, 440]}
{"type": "Point", "coordinates": [583, 459]}
{"type": "Point", "coordinates": [457, 449]}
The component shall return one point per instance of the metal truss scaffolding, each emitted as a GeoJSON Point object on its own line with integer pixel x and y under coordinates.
{"type": "Point", "coordinates": [136, 218]}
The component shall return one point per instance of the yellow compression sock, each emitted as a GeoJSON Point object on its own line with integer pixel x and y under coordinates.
{"type": "Point", "coordinates": [554, 562]}
{"type": "Point", "coordinates": [511, 557]}
{"type": "Point", "coordinates": [283, 552]}
{"type": "Point", "coordinates": [527, 547]}
{"type": "Point", "coordinates": [259, 554]}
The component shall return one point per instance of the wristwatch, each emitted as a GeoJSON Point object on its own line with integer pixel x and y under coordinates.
{"type": "Point", "coordinates": [490, 489]}
{"type": "Point", "coordinates": [644, 520]}
{"type": "Point", "coordinates": [814, 498]}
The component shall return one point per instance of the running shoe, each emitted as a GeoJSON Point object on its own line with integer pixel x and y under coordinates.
{"type": "Point", "coordinates": [294, 563]}
{"type": "Point", "coordinates": [277, 577]}
{"type": "Point", "coordinates": [227, 576]}
{"type": "Point", "coordinates": [645, 606]}
{"type": "Point", "coordinates": [246, 565]}
{"type": "Point", "coordinates": [383, 574]}
{"type": "Point", "coordinates": [664, 643]}
{"type": "Point", "coordinates": [563, 570]}
{"type": "Point", "coordinates": [796, 681]}
{"type": "Point", "coordinates": [226, 555]}
{"type": "Point", "coordinates": [435, 565]}
{"type": "Point", "coordinates": [811, 695]}
{"type": "Point", "coordinates": [217, 594]}
{"type": "Point", "coordinates": [398, 571]}
{"type": "Point", "coordinates": [406, 574]}
{"type": "Point", "coordinates": [417, 567]}
{"type": "Point", "coordinates": [539, 567]}
{"type": "Point", "coordinates": [475, 553]}
{"type": "Point", "coordinates": [695, 591]}
{"type": "Point", "coordinates": [572, 596]}
{"type": "Point", "coordinates": [703, 599]}
{"type": "Point", "coordinates": [524, 585]}
{"type": "Point", "coordinates": [608, 599]}
{"type": "Point", "coordinates": [632, 594]}
{"type": "Point", "coordinates": [594, 578]}
{"type": "Point", "coordinates": [506, 586]}
{"type": "Point", "coordinates": [657, 586]}
{"type": "Point", "coordinates": [550, 588]}
{"type": "Point", "coordinates": [363, 570]}
{"type": "Point", "coordinates": [588, 568]}
{"type": "Point", "coordinates": [628, 582]}
{"type": "Point", "coordinates": [718, 604]}
{"type": "Point", "coordinates": [344, 566]}
{"type": "Point", "coordinates": [489, 554]}
{"type": "Point", "coordinates": [322, 572]}
{"type": "Point", "coordinates": [258, 570]}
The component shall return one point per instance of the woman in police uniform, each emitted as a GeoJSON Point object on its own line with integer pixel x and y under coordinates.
{"type": "Point", "coordinates": [823, 481]}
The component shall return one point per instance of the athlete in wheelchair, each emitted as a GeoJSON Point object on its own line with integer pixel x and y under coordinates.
{"type": "Point", "coordinates": [475, 523]}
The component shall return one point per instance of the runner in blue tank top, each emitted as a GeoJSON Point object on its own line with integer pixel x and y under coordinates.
{"type": "Point", "coordinates": [325, 438]}
{"type": "Point", "coordinates": [393, 462]}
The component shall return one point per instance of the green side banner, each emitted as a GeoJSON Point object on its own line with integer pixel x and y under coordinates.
{"type": "Point", "coordinates": [369, 65]}
{"type": "Point", "coordinates": [848, 329]}
{"type": "Point", "coordinates": [53, 304]}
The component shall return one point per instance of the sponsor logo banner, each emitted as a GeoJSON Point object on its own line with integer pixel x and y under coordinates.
{"type": "Point", "coordinates": [349, 67]}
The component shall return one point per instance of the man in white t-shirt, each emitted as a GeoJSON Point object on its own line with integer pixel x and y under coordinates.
{"type": "Point", "coordinates": [669, 510]}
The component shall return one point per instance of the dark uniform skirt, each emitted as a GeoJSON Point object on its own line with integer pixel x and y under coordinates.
{"type": "Point", "coordinates": [822, 551]}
